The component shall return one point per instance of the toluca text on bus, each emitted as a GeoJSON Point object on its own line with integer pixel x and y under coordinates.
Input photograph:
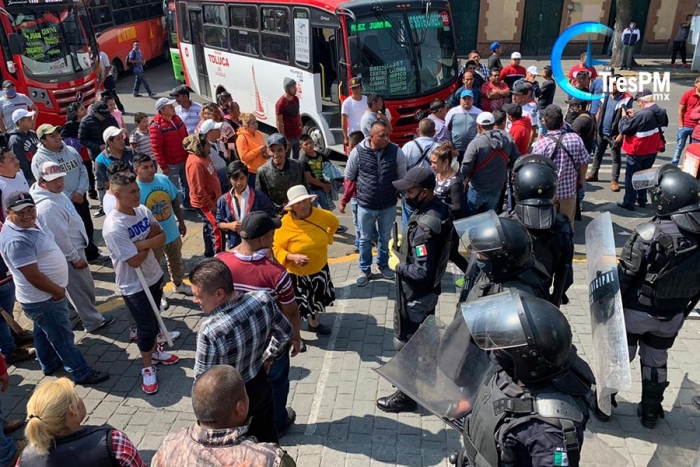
{"type": "Point", "coordinates": [119, 23]}
{"type": "Point", "coordinates": [403, 51]}
{"type": "Point", "coordinates": [49, 53]}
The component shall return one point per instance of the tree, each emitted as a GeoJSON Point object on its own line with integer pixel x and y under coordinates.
{"type": "Point", "coordinates": [622, 20]}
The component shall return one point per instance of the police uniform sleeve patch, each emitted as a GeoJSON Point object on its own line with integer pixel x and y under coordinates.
{"type": "Point", "coordinates": [561, 457]}
{"type": "Point", "coordinates": [421, 250]}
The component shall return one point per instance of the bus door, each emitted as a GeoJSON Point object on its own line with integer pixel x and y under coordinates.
{"type": "Point", "coordinates": [197, 35]}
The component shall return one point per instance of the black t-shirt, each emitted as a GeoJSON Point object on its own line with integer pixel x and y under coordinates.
{"type": "Point", "coordinates": [495, 62]}
{"type": "Point", "coordinates": [547, 91]}
{"type": "Point", "coordinates": [584, 126]}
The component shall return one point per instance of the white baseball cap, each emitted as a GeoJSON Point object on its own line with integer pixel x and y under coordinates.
{"type": "Point", "coordinates": [19, 114]}
{"type": "Point", "coordinates": [208, 125]}
{"type": "Point", "coordinates": [162, 102]}
{"type": "Point", "coordinates": [111, 132]}
{"type": "Point", "coordinates": [50, 171]}
{"type": "Point", "coordinates": [515, 55]}
{"type": "Point", "coordinates": [533, 70]}
{"type": "Point", "coordinates": [485, 118]}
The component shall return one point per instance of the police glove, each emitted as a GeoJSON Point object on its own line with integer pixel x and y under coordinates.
{"type": "Point", "coordinates": [394, 260]}
{"type": "Point", "coordinates": [398, 244]}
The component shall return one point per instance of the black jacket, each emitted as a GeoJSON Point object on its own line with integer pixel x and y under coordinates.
{"type": "Point", "coordinates": [90, 133]}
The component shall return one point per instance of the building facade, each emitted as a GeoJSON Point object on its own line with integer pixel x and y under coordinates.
{"type": "Point", "coordinates": [532, 26]}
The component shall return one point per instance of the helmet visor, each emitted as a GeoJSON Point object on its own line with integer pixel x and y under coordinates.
{"type": "Point", "coordinates": [494, 321]}
{"type": "Point", "coordinates": [480, 233]}
{"type": "Point", "coordinates": [649, 178]}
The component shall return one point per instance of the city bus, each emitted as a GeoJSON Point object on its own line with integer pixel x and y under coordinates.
{"type": "Point", "coordinates": [118, 23]}
{"type": "Point", "coordinates": [169, 11]}
{"type": "Point", "coordinates": [49, 53]}
{"type": "Point", "coordinates": [403, 51]}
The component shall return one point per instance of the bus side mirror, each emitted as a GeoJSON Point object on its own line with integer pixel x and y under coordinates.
{"type": "Point", "coordinates": [16, 44]}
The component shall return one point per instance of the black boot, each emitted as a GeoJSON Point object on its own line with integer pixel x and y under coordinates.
{"type": "Point", "coordinates": [602, 416]}
{"type": "Point", "coordinates": [397, 402]}
{"type": "Point", "coordinates": [650, 408]}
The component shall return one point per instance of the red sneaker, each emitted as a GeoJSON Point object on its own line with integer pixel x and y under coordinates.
{"type": "Point", "coordinates": [161, 356]}
{"type": "Point", "coordinates": [150, 383]}
{"type": "Point", "coordinates": [673, 65]}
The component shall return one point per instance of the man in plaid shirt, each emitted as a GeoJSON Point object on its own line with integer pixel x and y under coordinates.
{"type": "Point", "coordinates": [235, 334]}
{"type": "Point", "coordinates": [569, 155]}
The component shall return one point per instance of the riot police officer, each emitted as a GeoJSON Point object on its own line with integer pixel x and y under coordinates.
{"type": "Point", "coordinates": [534, 186]}
{"type": "Point", "coordinates": [533, 406]}
{"type": "Point", "coordinates": [419, 264]}
{"type": "Point", "coordinates": [659, 273]}
{"type": "Point", "coordinates": [504, 257]}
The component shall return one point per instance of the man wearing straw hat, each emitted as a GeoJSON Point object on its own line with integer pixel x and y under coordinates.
{"type": "Point", "coordinates": [131, 233]}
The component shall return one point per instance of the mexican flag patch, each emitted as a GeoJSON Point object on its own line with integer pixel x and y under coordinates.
{"type": "Point", "coordinates": [421, 251]}
{"type": "Point", "coordinates": [561, 457]}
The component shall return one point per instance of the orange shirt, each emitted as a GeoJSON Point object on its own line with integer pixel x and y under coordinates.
{"type": "Point", "coordinates": [248, 147]}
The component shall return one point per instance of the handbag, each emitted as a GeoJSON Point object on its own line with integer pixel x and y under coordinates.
{"type": "Point", "coordinates": [662, 143]}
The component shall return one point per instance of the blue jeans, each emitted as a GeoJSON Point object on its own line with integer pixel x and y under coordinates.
{"type": "Point", "coordinates": [7, 342]}
{"type": "Point", "coordinates": [279, 379]}
{"type": "Point", "coordinates": [406, 213]}
{"type": "Point", "coordinates": [54, 340]}
{"type": "Point", "coordinates": [251, 181]}
{"type": "Point", "coordinates": [353, 207]}
{"type": "Point", "coordinates": [634, 165]}
{"type": "Point", "coordinates": [8, 449]}
{"type": "Point", "coordinates": [322, 199]}
{"type": "Point", "coordinates": [541, 129]}
{"type": "Point", "coordinates": [369, 220]}
{"type": "Point", "coordinates": [138, 80]}
{"type": "Point", "coordinates": [477, 202]}
{"type": "Point", "coordinates": [682, 136]}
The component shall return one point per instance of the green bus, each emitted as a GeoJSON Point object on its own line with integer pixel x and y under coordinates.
{"type": "Point", "coordinates": [169, 13]}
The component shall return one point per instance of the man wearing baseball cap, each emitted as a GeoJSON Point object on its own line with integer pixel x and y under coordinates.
{"type": "Point", "coordinates": [485, 165]}
{"type": "Point", "coordinates": [438, 113]}
{"type": "Point", "coordinates": [461, 121]}
{"type": "Point", "coordinates": [186, 109]}
{"type": "Point", "coordinates": [23, 141]}
{"type": "Point", "coordinates": [419, 261]}
{"type": "Point", "coordinates": [56, 213]}
{"type": "Point", "coordinates": [167, 132]}
{"type": "Point", "coordinates": [116, 150]}
{"type": "Point", "coordinates": [92, 127]}
{"type": "Point", "coordinates": [40, 273]}
{"type": "Point", "coordinates": [494, 59]}
{"type": "Point", "coordinates": [11, 101]}
{"type": "Point", "coordinates": [514, 71]}
{"type": "Point", "coordinates": [211, 130]}
{"type": "Point", "coordinates": [353, 109]}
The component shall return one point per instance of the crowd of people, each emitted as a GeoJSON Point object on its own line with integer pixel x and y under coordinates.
{"type": "Point", "coordinates": [266, 208]}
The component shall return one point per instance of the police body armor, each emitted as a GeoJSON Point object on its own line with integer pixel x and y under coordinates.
{"type": "Point", "coordinates": [671, 279]}
{"type": "Point", "coordinates": [502, 405]}
{"type": "Point", "coordinates": [534, 280]}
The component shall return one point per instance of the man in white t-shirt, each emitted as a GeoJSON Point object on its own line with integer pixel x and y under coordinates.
{"type": "Point", "coordinates": [40, 273]}
{"type": "Point", "coordinates": [354, 107]}
{"type": "Point", "coordinates": [131, 233]}
{"type": "Point", "coordinates": [11, 177]}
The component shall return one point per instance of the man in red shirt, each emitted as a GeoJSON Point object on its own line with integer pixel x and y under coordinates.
{"type": "Point", "coordinates": [581, 66]}
{"type": "Point", "coordinates": [204, 185]}
{"type": "Point", "coordinates": [690, 100]}
{"type": "Point", "coordinates": [252, 271]}
{"type": "Point", "coordinates": [494, 92]}
{"type": "Point", "coordinates": [514, 71]}
{"type": "Point", "coordinates": [520, 128]}
{"type": "Point", "coordinates": [289, 116]}
{"type": "Point", "coordinates": [167, 131]}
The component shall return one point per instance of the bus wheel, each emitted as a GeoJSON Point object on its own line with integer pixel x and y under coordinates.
{"type": "Point", "coordinates": [117, 69]}
{"type": "Point", "coordinates": [311, 129]}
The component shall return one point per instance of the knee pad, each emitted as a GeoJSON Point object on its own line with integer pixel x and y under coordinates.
{"type": "Point", "coordinates": [655, 374]}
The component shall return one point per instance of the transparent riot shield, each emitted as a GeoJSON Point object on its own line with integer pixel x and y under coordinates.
{"type": "Point", "coordinates": [415, 371]}
{"type": "Point", "coordinates": [611, 355]}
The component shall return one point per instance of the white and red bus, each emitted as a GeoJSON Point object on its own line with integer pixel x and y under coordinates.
{"type": "Point", "coordinates": [118, 23]}
{"type": "Point", "coordinates": [403, 51]}
{"type": "Point", "coordinates": [49, 52]}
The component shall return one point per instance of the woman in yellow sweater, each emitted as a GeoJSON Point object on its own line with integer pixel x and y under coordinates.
{"type": "Point", "coordinates": [301, 246]}
{"type": "Point", "coordinates": [251, 146]}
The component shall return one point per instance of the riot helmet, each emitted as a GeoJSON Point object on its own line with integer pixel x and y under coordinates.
{"type": "Point", "coordinates": [503, 246]}
{"type": "Point", "coordinates": [530, 337]}
{"type": "Point", "coordinates": [534, 188]}
{"type": "Point", "coordinates": [671, 189]}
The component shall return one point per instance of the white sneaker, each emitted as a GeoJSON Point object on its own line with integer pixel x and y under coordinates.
{"type": "Point", "coordinates": [164, 304]}
{"type": "Point", "coordinates": [161, 356]}
{"type": "Point", "coordinates": [183, 289]}
{"type": "Point", "coordinates": [133, 334]}
{"type": "Point", "coordinates": [150, 383]}
{"type": "Point", "coordinates": [173, 335]}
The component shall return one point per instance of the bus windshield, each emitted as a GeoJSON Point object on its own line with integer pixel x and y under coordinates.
{"type": "Point", "coordinates": [403, 53]}
{"type": "Point", "coordinates": [56, 42]}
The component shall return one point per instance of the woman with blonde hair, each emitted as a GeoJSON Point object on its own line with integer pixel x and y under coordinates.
{"type": "Point", "coordinates": [301, 246]}
{"type": "Point", "coordinates": [251, 146]}
{"type": "Point", "coordinates": [55, 436]}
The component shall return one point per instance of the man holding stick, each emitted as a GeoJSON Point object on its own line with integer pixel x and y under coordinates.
{"type": "Point", "coordinates": [131, 233]}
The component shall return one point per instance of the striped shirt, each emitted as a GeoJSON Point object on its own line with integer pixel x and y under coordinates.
{"type": "Point", "coordinates": [236, 332]}
{"type": "Point", "coordinates": [141, 143]}
{"type": "Point", "coordinates": [190, 117]}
